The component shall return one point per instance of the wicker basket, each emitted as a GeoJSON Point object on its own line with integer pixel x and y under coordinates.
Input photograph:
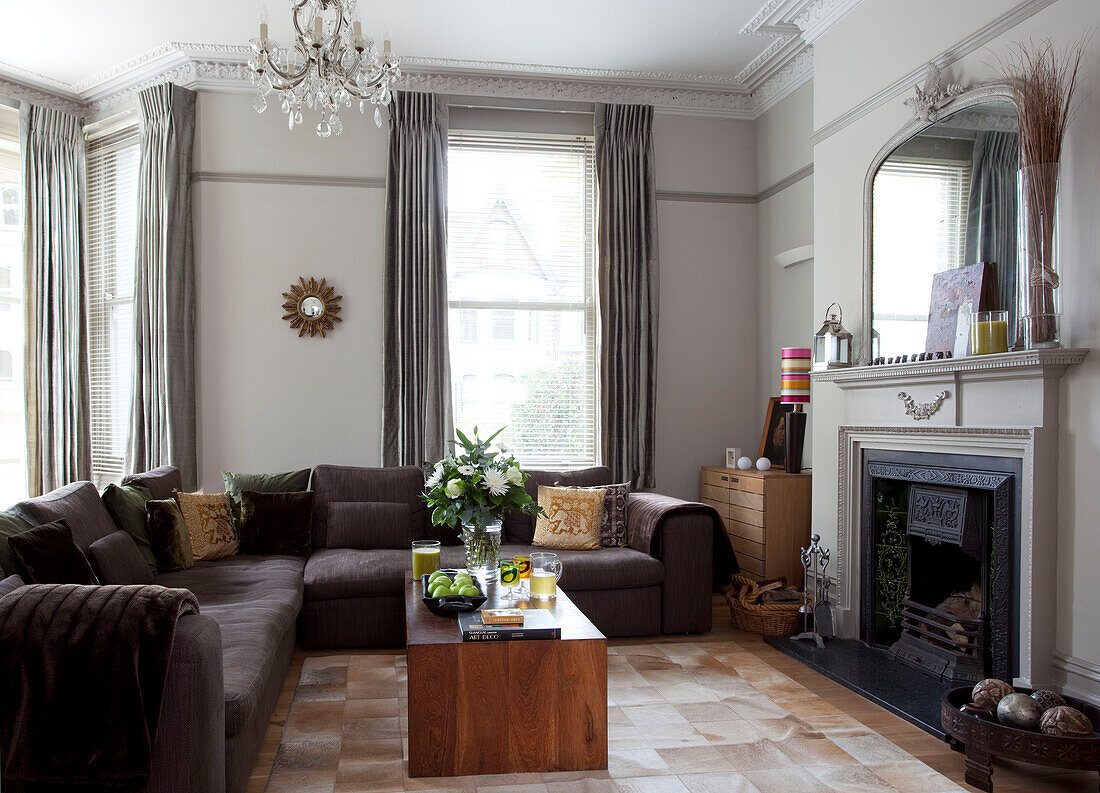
{"type": "Point", "coordinates": [766, 619]}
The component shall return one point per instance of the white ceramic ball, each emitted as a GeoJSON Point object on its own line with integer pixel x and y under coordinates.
{"type": "Point", "coordinates": [744, 463]}
{"type": "Point", "coordinates": [763, 464]}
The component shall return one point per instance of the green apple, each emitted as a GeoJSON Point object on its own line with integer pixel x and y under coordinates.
{"type": "Point", "coordinates": [443, 591]}
{"type": "Point", "coordinates": [436, 575]}
{"type": "Point", "coordinates": [469, 591]}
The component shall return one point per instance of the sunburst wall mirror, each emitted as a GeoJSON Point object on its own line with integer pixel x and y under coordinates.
{"type": "Point", "coordinates": [312, 307]}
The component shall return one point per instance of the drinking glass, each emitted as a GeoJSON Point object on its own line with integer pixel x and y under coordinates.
{"type": "Point", "coordinates": [545, 572]}
{"type": "Point", "coordinates": [523, 562]}
{"type": "Point", "coordinates": [425, 559]}
{"type": "Point", "coordinates": [509, 577]}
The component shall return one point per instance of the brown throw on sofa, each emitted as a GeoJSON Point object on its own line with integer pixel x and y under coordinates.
{"type": "Point", "coordinates": [83, 670]}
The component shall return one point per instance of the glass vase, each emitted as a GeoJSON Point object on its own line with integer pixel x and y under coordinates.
{"type": "Point", "coordinates": [1038, 281]}
{"type": "Point", "coordinates": [482, 550]}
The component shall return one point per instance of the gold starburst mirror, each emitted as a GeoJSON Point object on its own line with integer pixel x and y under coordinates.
{"type": "Point", "coordinates": [312, 307]}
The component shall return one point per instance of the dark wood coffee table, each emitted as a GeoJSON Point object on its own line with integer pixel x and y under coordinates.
{"type": "Point", "coordinates": [509, 706]}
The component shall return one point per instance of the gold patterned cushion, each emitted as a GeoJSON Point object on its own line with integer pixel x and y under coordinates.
{"type": "Point", "coordinates": [209, 519]}
{"type": "Point", "coordinates": [572, 520]}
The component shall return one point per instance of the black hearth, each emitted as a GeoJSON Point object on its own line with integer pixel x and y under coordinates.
{"type": "Point", "coordinates": [938, 540]}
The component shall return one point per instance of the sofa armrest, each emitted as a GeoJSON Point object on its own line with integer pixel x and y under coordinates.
{"type": "Point", "coordinates": [189, 752]}
{"type": "Point", "coordinates": [691, 541]}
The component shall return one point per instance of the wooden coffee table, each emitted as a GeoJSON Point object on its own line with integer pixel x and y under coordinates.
{"type": "Point", "coordinates": [508, 706]}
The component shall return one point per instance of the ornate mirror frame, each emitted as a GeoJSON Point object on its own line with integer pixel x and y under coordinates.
{"type": "Point", "coordinates": [928, 113]}
{"type": "Point", "coordinates": [312, 324]}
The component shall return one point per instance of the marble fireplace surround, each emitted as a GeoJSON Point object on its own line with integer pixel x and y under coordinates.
{"type": "Point", "coordinates": [1003, 406]}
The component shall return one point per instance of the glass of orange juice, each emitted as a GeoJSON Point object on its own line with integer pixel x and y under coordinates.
{"type": "Point", "coordinates": [425, 557]}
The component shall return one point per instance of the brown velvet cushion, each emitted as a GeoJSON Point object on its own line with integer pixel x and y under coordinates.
{"type": "Point", "coordinates": [117, 560]}
{"type": "Point", "coordinates": [168, 535]}
{"type": "Point", "coordinates": [274, 524]}
{"type": "Point", "coordinates": [288, 482]}
{"type": "Point", "coordinates": [369, 524]}
{"type": "Point", "coordinates": [48, 555]}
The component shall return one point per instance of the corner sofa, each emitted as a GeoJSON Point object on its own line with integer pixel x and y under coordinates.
{"type": "Point", "coordinates": [229, 662]}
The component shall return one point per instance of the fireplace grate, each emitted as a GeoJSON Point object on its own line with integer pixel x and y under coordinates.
{"type": "Point", "coordinates": [948, 646]}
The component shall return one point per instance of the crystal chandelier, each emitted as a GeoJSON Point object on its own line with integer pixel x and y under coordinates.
{"type": "Point", "coordinates": [331, 65]}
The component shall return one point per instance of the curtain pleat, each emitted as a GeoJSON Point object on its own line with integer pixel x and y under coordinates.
{"type": "Point", "coordinates": [162, 408]}
{"type": "Point", "coordinates": [629, 289]}
{"type": "Point", "coordinates": [58, 414]}
{"type": "Point", "coordinates": [416, 419]}
{"type": "Point", "coordinates": [991, 212]}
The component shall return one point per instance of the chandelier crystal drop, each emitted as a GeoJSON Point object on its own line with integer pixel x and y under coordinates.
{"type": "Point", "coordinates": [330, 65]}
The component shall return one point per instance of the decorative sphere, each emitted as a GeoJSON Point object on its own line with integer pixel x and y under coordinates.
{"type": "Point", "coordinates": [1047, 699]}
{"type": "Point", "coordinates": [990, 692]}
{"type": "Point", "coordinates": [763, 464]}
{"type": "Point", "coordinates": [1020, 711]}
{"type": "Point", "coordinates": [744, 463]}
{"type": "Point", "coordinates": [1064, 720]}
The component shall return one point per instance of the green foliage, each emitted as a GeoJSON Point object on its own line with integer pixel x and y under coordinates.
{"type": "Point", "coordinates": [476, 484]}
{"type": "Point", "coordinates": [554, 408]}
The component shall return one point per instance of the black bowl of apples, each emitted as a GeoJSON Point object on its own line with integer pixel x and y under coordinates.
{"type": "Point", "coordinates": [450, 592]}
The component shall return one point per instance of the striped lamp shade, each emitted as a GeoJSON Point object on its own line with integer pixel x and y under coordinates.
{"type": "Point", "coordinates": [794, 375]}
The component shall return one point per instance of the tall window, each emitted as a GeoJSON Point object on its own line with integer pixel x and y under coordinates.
{"type": "Point", "coordinates": [13, 407]}
{"type": "Point", "coordinates": [521, 262]}
{"type": "Point", "coordinates": [919, 228]}
{"type": "Point", "coordinates": [111, 240]}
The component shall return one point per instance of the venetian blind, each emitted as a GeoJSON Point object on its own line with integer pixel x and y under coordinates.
{"type": "Point", "coordinates": [521, 265]}
{"type": "Point", "coordinates": [111, 229]}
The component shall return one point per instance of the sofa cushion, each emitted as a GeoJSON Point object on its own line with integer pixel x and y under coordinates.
{"type": "Point", "coordinates": [571, 518]}
{"type": "Point", "coordinates": [366, 525]}
{"type": "Point", "coordinates": [168, 535]}
{"type": "Point", "coordinates": [335, 573]}
{"type": "Point", "coordinates": [117, 560]}
{"type": "Point", "coordinates": [163, 482]}
{"type": "Point", "coordinates": [126, 504]}
{"type": "Point", "coordinates": [403, 484]}
{"type": "Point", "coordinates": [287, 482]}
{"type": "Point", "coordinates": [48, 555]}
{"type": "Point", "coordinates": [520, 527]}
{"type": "Point", "coordinates": [209, 519]}
{"type": "Point", "coordinates": [12, 522]}
{"type": "Point", "coordinates": [10, 584]}
{"type": "Point", "coordinates": [255, 601]}
{"type": "Point", "coordinates": [79, 505]}
{"type": "Point", "coordinates": [273, 524]}
{"type": "Point", "coordinates": [608, 568]}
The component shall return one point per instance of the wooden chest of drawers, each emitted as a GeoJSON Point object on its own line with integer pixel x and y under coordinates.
{"type": "Point", "coordinates": [767, 516]}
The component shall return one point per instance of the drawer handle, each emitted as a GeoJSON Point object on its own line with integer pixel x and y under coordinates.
{"type": "Point", "coordinates": [734, 479]}
{"type": "Point", "coordinates": [725, 478]}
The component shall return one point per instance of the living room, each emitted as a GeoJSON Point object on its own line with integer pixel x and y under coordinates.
{"type": "Point", "coordinates": [608, 239]}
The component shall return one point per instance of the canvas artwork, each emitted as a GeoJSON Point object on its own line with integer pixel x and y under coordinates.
{"type": "Point", "coordinates": [773, 440]}
{"type": "Point", "coordinates": [971, 285]}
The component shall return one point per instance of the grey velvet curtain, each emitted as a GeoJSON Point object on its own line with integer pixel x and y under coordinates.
{"type": "Point", "coordinates": [58, 418]}
{"type": "Point", "coordinates": [162, 408]}
{"type": "Point", "coordinates": [629, 289]}
{"type": "Point", "coordinates": [416, 418]}
{"type": "Point", "coordinates": [991, 212]}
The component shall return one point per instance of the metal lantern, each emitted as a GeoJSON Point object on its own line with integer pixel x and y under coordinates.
{"type": "Point", "coordinates": [832, 343]}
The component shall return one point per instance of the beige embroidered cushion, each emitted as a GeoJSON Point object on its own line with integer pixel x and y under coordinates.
{"type": "Point", "coordinates": [572, 520]}
{"type": "Point", "coordinates": [209, 520]}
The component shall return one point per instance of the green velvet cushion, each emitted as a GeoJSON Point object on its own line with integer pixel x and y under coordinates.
{"type": "Point", "coordinates": [49, 555]}
{"type": "Point", "coordinates": [169, 536]}
{"type": "Point", "coordinates": [236, 484]}
{"type": "Point", "coordinates": [276, 523]}
{"type": "Point", "coordinates": [126, 504]}
{"type": "Point", "coordinates": [11, 524]}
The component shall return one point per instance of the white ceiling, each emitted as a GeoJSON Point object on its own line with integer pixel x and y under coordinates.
{"type": "Point", "coordinates": [74, 41]}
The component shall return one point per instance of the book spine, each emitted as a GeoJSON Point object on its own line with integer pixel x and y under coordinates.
{"type": "Point", "coordinates": [505, 634]}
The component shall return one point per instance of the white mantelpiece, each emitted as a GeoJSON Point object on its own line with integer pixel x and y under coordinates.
{"type": "Point", "coordinates": [995, 405]}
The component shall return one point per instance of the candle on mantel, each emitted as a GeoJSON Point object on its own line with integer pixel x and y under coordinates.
{"type": "Point", "coordinates": [989, 333]}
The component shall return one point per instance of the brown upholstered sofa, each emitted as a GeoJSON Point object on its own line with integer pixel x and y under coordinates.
{"type": "Point", "coordinates": [229, 662]}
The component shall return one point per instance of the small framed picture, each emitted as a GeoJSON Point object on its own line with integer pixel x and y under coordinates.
{"type": "Point", "coordinates": [733, 454]}
{"type": "Point", "coordinates": [773, 441]}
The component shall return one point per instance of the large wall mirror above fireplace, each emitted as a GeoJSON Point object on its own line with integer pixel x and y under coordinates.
{"type": "Point", "coordinates": [940, 198]}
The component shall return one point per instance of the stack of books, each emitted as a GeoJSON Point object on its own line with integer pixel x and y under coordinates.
{"type": "Point", "coordinates": [490, 625]}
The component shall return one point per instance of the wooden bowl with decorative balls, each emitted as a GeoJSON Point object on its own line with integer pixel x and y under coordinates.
{"type": "Point", "coordinates": [1067, 721]}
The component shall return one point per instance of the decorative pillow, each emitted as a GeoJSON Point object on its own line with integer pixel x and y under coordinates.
{"type": "Point", "coordinates": [209, 519]}
{"type": "Point", "coordinates": [236, 484]}
{"type": "Point", "coordinates": [163, 482]}
{"type": "Point", "coordinates": [11, 524]}
{"type": "Point", "coordinates": [49, 555]}
{"type": "Point", "coordinates": [367, 525]}
{"type": "Point", "coordinates": [572, 519]}
{"type": "Point", "coordinates": [117, 560]}
{"type": "Point", "coordinates": [10, 584]}
{"type": "Point", "coordinates": [127, 506]}
{"type": "Point", "coordinates": [276, 523]}
{"type": "Point", "coordinates": [613, 525]}
{"type": "Point", "coordinates": [168, 535]}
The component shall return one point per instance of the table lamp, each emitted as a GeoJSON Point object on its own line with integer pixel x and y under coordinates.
{"type": "Point", "coordinates": [794, 389]}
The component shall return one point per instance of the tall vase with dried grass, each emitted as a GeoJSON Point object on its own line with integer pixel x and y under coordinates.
{"type": "Point", "coordinates": [1042, 79]}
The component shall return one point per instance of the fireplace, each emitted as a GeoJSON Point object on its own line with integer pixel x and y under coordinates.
{"type": "Point", "coordinates": [938, 547]}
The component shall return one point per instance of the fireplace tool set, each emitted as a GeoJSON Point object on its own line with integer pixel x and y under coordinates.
{"type": "Point", "coordinates": [816, 610]}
